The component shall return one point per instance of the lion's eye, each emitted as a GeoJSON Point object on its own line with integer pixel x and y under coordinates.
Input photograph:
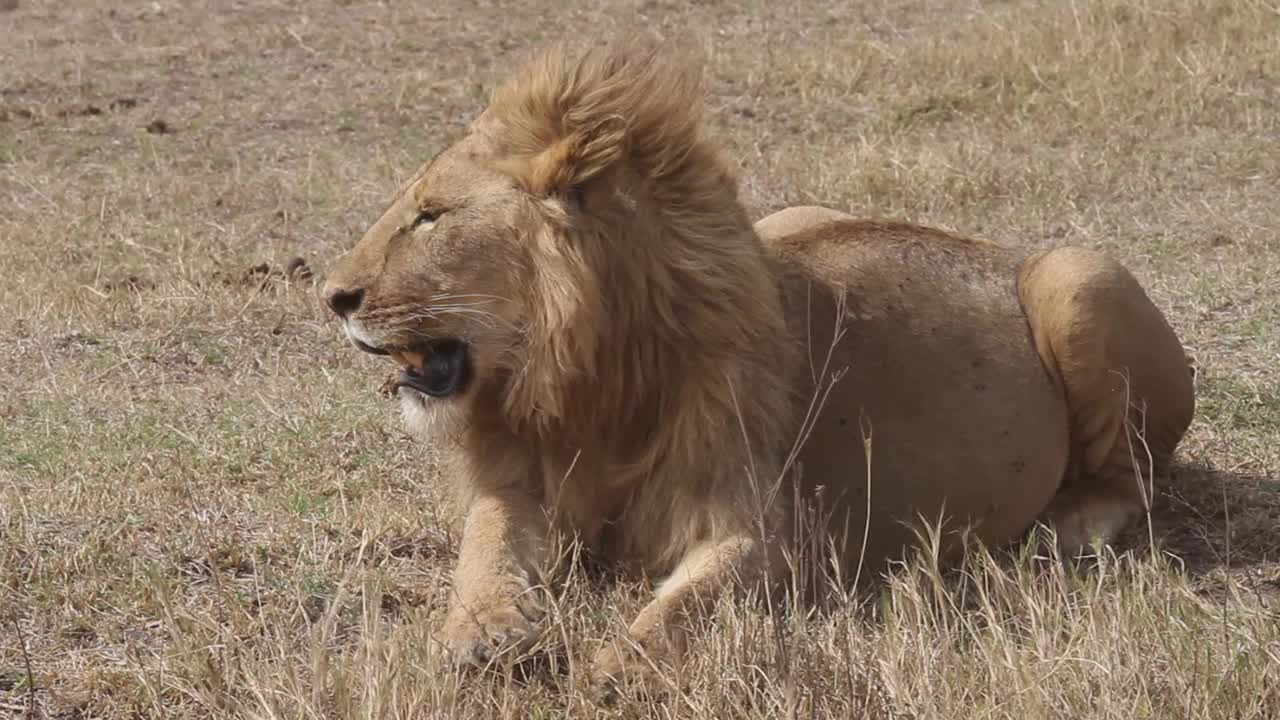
{"type": "Point", "coordinates": [424, 217]}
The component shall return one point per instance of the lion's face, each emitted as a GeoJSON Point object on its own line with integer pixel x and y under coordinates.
{"type": "Point", "coordinates": [438, 282]}
{"type": "Point", "coordinates": [525, 272]}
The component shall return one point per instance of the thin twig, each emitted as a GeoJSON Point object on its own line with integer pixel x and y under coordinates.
{"type": "Point", "coordinates": [26, 659]}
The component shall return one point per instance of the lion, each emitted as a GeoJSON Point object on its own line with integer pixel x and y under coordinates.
{"type": "Point", "coordinates": [606, 349]}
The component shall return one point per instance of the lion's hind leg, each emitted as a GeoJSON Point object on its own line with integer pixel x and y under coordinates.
{"type": "Point", "coordinates": [1127, 384]}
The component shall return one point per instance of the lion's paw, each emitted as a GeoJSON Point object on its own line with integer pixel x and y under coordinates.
{"type": "Point", "coordinates": [1088, 523]}
{"type": "Point", "coordinates": [620, 665]}
{"type": "Point", "coordinates": [477, 637]}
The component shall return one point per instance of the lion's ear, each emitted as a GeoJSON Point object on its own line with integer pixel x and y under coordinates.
{"type": "Point", "coordinates": [567, 162]}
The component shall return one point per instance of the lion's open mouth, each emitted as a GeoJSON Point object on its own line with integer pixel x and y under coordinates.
{"type": "Point", "coordinates": [440, 368]}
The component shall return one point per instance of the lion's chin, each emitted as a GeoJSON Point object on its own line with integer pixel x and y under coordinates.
{"type": "Point", "coordinates": [421, 413]}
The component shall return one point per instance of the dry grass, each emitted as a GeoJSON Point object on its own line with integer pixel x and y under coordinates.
{"type": "Point", "coordinates": [206, 510]}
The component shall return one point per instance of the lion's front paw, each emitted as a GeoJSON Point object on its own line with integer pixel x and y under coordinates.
{"type": "Point", "coordinates": [477, 636]}
{"type": "Point", "coordinates": [622, 664]}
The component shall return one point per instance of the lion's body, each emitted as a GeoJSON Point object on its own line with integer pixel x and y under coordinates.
{"type": "Point", "coordinates": [630, 363]}
{"type": "Point", "coordinates": [939, 375]}
{"type": "Point", "coordinates": [970, 414]}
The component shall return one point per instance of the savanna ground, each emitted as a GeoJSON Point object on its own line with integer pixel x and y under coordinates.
{"type": "Point", "coordinates": [207, 510]}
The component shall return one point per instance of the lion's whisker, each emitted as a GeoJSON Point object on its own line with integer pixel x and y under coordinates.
{"type": "Point", "coordinates": [457, 296]}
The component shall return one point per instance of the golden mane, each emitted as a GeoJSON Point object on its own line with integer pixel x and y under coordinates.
{"type": "Point", "coordinates": [655, 303]}
{"type": "Point", "coordinates": [566, 122]}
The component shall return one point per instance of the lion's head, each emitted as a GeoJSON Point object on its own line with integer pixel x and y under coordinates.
{"type": "Point", "coordinates": [442, 281]}
{"type": "Point", "coordinates": [575, 252]}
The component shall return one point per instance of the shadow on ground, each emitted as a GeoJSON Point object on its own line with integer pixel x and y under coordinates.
{"type": "Point", "coordinates": [1217, 523]}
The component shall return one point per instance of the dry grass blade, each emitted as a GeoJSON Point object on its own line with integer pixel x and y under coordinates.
{"type": "Point", "coordinates": [29, 706]}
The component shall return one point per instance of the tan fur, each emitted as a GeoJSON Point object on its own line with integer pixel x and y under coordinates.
{"type": "Point", "coordinates": [647, 363]}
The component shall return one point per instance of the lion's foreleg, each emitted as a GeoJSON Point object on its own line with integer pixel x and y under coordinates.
{"type": "Point", "coordinates": [497, 602]}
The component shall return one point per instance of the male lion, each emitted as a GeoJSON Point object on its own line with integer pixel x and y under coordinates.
{"type": "Point", "coordinates": [607, 349]}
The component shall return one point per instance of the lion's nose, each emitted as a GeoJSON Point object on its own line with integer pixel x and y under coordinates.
{"type": "Point", "coordinates": [343, 300]}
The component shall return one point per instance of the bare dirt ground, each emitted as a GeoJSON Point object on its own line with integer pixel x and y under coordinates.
{"type": "Point", "coordinates": [206, 510]}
